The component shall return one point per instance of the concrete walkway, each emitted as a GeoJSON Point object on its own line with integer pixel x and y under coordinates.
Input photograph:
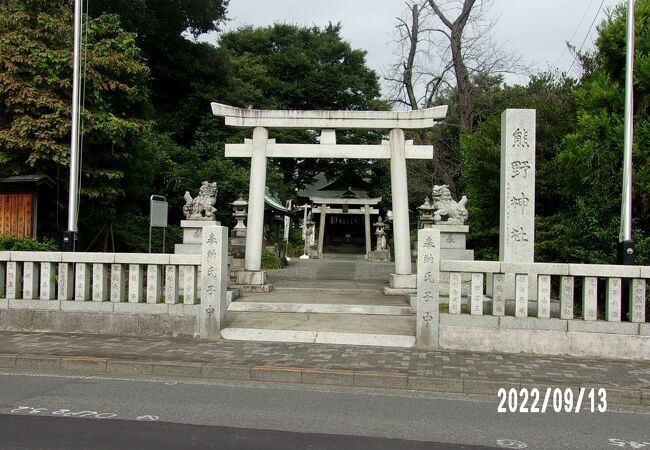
{"type": "Point", "coordinates": [627, 382]}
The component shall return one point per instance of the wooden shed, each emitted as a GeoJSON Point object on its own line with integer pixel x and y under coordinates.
{"type": "Point", "coordinates": [19, 204]}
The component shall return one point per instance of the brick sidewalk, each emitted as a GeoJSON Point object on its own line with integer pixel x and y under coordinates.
{"type": "Point", "coordinates": [627, 382]}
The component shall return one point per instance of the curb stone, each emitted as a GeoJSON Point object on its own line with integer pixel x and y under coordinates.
{"type": "Point", "coordinates": [313, 376]}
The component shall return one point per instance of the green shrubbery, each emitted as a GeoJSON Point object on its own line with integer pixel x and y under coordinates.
{"type": "Point", "coordinates": [28, 244]}
{"type": "Point", "coordinates": [296, 245]}
{"type": "Point", "coordinates": [270, 260]}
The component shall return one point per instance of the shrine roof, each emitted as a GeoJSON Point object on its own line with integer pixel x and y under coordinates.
{"type": "Point", "coordinates": [35, 180]}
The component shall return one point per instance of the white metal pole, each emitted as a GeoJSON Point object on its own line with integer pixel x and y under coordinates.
{"type": "Point", "coordinates": [626, 204]}
{"type": "Point", "coordinates": [74, 139]}
{"type": "Point", "coordinates": [625, 234]}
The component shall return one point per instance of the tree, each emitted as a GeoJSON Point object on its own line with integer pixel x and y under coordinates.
{"type": "Point", "coordinates": [35, 96]}
{"type": "Point", "coordinates": [446, 54]}
{"type": "Point", "coordinates": [592, 156]}
{"type": "Point", "coordinates": [160, 19]}
{"type": "Point", "coordinates": [290, 67]}
{"type": "Point", "coordinates": [185, 75]}
{"type": "Point", "coordinates": [552, 96]}
{"type": "Point", "coordinates": [443, 46]}
{"type": "Point", "coordinates": [454, 32]}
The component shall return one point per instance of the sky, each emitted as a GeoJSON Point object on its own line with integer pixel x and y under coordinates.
{"type": "Point", "coordinates": [535, 29]}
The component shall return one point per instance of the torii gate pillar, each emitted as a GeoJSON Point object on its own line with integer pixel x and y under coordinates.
{"type": "Point", "coordinates": [254, 234]}
{"type": "Point", "coordinates": [403, 278]}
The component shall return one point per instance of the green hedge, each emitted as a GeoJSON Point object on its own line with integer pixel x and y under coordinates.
{"type": "Point", "coordinates": [28, 244]}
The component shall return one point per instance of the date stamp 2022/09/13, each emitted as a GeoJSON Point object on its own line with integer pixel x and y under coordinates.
{"type": "Point", "coordinates": [552, 400]}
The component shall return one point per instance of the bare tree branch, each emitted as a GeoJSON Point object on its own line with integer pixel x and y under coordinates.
{"type": "Point", "coordinates": [444, 48]}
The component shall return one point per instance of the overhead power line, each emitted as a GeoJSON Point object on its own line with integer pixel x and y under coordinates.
{"type": "Point", "coordinates": [575, 31]}
{"type": "Point", "coordinates": [593, 22]}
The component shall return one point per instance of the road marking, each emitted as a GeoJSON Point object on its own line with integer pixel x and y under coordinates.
{"type": "Point", "coordinates": [147, 418]}
{"type": "Point", "coordinates": [511, 443]}
{"type": "Point", "coordinates": [627, 444]}
{"type": "Point", "coordinates": [61, 412]}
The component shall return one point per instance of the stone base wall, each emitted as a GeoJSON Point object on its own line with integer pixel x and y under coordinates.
{"type": "Point", "coordinates": [106, 323]}
{"type": "Point", "coordinates": [578, 338]}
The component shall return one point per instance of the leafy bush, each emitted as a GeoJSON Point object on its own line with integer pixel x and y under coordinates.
{"type": "Point", "coordinates": [27, 244]}
{"type": "Point", "coordinates": [296, 245]}
{"type": "Point", "coordinates": [270, 260]}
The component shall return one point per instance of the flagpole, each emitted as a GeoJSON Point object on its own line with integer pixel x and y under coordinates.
{"type": "Point", "coordinates": [70, 235]}
{"type": "Point", "coordinates": [626, 250]}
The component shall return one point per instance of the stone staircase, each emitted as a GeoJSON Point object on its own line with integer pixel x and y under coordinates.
{"type": "Point", "coordinates": [329, 312]}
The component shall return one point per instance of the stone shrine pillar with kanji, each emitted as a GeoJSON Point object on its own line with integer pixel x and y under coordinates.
{"type": "Point", "coordinates": [517, 224]}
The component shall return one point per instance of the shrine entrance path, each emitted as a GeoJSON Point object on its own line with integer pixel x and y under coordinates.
{"type": "Point", "coordinates": [338, 299]}
{"type": "Point", "coordinates": [333, 267]}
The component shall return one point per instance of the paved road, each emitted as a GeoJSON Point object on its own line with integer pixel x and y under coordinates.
{"type": "Point", "coordinates": [259, 415]}
{"type": "Point", "coordinates": [23, 432]}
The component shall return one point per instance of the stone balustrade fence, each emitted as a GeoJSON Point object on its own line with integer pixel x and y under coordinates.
{"type": "Point", "coordinates": [561, 315]}
{"type": "Point", "coordinates": [557, 282]}
{"type": "Point", "coordinates": [122, 283]}
{"type": "Point", "coordinates": [99, 277]}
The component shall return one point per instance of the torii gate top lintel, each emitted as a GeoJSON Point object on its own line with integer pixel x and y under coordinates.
{"type": "Point", "coordinates": [369, 120]}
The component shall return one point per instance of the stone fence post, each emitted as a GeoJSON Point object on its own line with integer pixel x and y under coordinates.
{"type": "Point", "coordinates": [214, 281]}
{"type": "Point", "coordinates": [428, 288]}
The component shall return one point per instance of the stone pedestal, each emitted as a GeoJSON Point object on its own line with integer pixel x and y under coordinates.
{"type": "Point", "coordinates": [237, 244]}
{"type": "Point", "coordinates": [453, 242]}
{"type": "Point", "coordinates": [379, 255]}
{"type": "Point", "coordinates": [401, 285]}
{"type": "Point", "coordinates": [192, 235]}
{"type": "Point", "coordinates": [237, 265]}
{"type": "Point", "coordinates": [236, 249]}
{"type": "Point", "coordinates": [253, 281]}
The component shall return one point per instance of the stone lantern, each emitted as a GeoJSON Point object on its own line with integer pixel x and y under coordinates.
{"type": "Point", "coordinates": [309, 230]}
{"type": "Point", "coordinates": [426, 213]}
{"type": "Point", "coordinates": [240, 212]}
{"type": "Point", "coordinates": [237, 241]}
{"type": "Point", "coordinates": [381, 234]}
{"type": "Point", "coordinates": [382, 251]}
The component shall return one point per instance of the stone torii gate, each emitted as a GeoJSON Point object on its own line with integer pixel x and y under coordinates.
{"type": "Point", "coordinates": [397, 149]}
